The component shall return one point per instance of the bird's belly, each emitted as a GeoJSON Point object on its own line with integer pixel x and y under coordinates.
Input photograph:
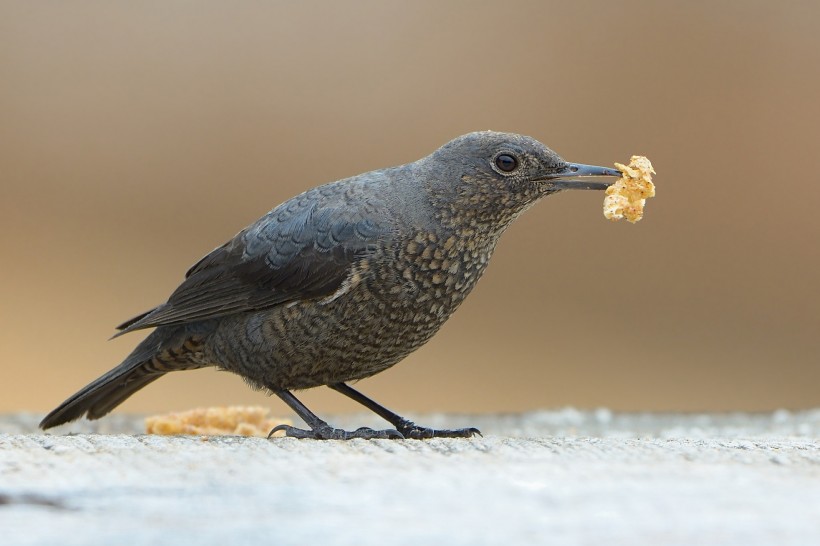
{"type": "Point", "coordinates": [360, 333]}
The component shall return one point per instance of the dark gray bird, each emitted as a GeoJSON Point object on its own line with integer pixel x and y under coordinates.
{"type": "Point", "coordinates": [343, 281]}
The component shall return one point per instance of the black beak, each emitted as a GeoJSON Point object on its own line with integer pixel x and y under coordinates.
{"type": "Point", "coordinates": [562, 180]}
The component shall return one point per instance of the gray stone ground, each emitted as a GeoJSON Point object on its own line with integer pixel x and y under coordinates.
{"type": "Point", "coordinates": [552, 477]}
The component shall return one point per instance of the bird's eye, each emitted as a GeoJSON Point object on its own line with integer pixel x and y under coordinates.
{"type": "Point", "coordinates": [506, 163]}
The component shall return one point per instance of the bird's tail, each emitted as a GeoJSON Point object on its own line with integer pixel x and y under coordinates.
{"type": "Point", "coordinates": [102, 395]}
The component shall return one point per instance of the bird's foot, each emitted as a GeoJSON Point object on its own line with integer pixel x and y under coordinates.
{"type": "Point", "coordinates": [412, 431]}
{"type": "Point", "coordinates": [326, 432]}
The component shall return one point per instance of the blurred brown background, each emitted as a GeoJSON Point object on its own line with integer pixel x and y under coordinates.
{"type": "Point", "coordinates": [135, 137]}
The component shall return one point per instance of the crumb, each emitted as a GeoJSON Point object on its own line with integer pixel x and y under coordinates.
{"type": "Point", "coordinates": [230, 420]}
{"type": "Point", "coordinates": [627, 197]}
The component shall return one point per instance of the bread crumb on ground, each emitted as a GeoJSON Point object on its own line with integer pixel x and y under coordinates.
{"type": "Point", "coordinates": [216, 421]}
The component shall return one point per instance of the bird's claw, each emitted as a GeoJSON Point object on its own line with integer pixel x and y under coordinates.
{"type": "Point", "coordinates": [412, 431]}
{"type": "Point", "coordinates": [327, 432]}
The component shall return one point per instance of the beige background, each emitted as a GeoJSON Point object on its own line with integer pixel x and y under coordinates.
{"type": "Point", "coordinates": [135, 137]}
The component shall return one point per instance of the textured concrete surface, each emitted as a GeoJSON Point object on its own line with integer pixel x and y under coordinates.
{"type": "Point", "coordinates": [563, 477]}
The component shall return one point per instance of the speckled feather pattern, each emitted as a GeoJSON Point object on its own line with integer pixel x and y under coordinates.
{"type": "Point", "coordinates": [340, 282]}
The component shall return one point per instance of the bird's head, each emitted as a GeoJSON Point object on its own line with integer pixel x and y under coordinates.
{"type": "Point", "coordinates": [489, 178]}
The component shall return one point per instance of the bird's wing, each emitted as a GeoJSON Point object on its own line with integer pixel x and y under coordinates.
{"type": "Point", "coordinates": [303, 249]}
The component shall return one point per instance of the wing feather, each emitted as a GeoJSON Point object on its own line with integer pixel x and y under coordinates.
{"type": "Point", "coordinates": [303, 249]}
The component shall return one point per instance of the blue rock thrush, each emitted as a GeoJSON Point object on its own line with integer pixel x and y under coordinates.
{"type": "Point", "coordinates": [343, 281]}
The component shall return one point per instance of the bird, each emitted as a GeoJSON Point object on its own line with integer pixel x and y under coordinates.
{"type": "Point", "coordinates": [342, 281]}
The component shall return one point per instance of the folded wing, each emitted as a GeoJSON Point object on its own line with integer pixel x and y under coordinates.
{"type": "Point", "coordinates": [303, 249]}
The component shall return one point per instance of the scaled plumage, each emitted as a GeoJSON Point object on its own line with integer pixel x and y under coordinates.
{"type": "Point", "coordinates": [342, 281]}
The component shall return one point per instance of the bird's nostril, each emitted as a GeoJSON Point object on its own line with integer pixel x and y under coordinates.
{"type": "Point", "coordinates": [573, 168]}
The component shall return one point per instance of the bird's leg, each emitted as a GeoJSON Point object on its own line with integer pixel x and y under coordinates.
{"type": "Point", "coordinates": [320, 430]}
{"type": "Point", "coordinates": [407, 428]}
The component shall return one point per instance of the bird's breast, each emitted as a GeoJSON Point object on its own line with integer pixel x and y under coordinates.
{"type": "Point", "coordinates": [431, 273]}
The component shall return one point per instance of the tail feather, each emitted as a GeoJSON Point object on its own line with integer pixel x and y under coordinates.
{"type": "Point", "coordinates": [103, 405]}
{"type": "Point", "coordinates": [103, 394]}
{"type": "Point", "coordinates": [142, 367]}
